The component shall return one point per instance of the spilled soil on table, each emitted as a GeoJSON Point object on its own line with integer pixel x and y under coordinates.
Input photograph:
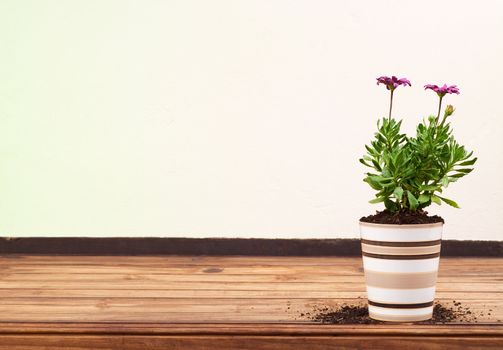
{"type": "Point", "coordinates": [358, 314]}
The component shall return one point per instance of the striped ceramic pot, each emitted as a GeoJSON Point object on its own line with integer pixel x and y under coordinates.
{"type": "Point", "coordinates": [401, 265]}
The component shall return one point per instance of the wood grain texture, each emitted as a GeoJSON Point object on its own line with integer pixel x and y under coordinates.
{"type": "Point", "coordinates": [229, 302]}
{"type": "Point", "coordinates": [127, 342]}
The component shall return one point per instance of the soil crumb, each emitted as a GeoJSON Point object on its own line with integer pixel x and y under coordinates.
{"type": "Point", "coordinates": [402, 217]}
{"type": "Point", "coordinates": [358, 314]}
{"type": "Point", "coordinates": [345, 314]}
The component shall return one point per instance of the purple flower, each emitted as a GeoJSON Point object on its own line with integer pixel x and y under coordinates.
{"type": "Point", "coordinates": [393, 82]}
{"type": "Point", "coordinates": [442, 90]}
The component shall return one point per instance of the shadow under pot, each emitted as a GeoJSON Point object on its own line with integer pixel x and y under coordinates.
{"type": "Point", "coordinates": [401, 266]}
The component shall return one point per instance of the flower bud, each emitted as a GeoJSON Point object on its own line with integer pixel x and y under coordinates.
{"type": "Point", "coordinates": [449, 110]}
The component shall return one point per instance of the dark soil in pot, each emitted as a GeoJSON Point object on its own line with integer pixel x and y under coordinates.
{"type": "Point", "coordinates": [403, 217]}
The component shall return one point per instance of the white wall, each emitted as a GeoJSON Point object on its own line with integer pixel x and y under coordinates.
{"type": "Point", "coordinates": [232, 118]}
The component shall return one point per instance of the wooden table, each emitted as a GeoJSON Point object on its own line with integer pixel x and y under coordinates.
{"type": "Point", "coordinates": [184, 302]}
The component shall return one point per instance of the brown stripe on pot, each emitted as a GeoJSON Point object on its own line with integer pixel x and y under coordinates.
{"type": "Point", "coordinates": [387, 280]}
{"type": "Point", "coordinates": [399, 318]}
{"type": "Point", "coordinates": [401, 306]}
{"type": "Point", "coordinates": [400, 250]}
{"type": "Point", "coordinates": [402, 244]}
{"type": "Point", "coordinates": [401, 257]}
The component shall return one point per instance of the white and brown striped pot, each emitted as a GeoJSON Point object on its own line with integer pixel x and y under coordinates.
{"type": "Point", "coordinates": [401, 265]}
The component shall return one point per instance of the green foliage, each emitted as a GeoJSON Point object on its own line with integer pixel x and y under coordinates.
{"type": "Point", "coordinates": [410, 172]}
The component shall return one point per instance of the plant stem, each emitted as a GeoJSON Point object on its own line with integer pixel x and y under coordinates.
{"type": "Point", "coordinates": [439, 108]}
{"type": "Point", "coordinates": [443, 120]}
{"type": "Point", "coordinates": [390, 104]}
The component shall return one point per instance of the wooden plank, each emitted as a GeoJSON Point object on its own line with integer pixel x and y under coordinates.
{"type": "Point", "coordinates": [175, 259]}
{"type": "Point", "coordinates": [340, 266]}
{"type": "Point", "coordinates": [328, 277]}
{"type": "Point", "coordinates": [162, 261]}
{"type": "Point", "coordinates": [266, 329]}
{"type": "Point", "coordinates": [351, 273]}
{"type": "Point", "coordinates": [76, 292]}
{"type": "Point", "coordinates": [245, 286]}
{"type": "Point", "coordinates": [128, 342]}
{"type": "Point", "coordinates": [189, 310]}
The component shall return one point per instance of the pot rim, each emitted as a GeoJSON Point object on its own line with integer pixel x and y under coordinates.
{"type": "Point", "coordinates": [405, 226]}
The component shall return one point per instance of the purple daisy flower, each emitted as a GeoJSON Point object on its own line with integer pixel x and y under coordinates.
{"type": "Point", "coordinates": [393, 82]}
{"type": "Point", "coordinates": [443, 90]}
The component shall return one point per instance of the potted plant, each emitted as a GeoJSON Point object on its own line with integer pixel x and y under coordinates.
{"type": "Point", "coordinates": [401, 244]}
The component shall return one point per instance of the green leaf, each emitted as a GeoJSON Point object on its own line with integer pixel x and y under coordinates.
{"type": "Point", "coordinates": [458, 175]}
{"type": "Point", "coordinates": [436, 200]}
{"type": "Point", "coordinates": [398, 193]}
{"type": "Point", "coordinates": [390, 205]}
{"type": "Point", "coordinates": [412, 201]}
{"type": "Point", "coordinates": [468, 162]}
{"type": "Point", "coordinates": [464, 170]}
{"type": "Point", "coordinates": [377, 200]}
{"type": "Point", "coordinates": [375, 185]}
{"type": "Point", "coordinates": [381, 179]}
{"type": "Point", "coordinates": [428, 187]}
{"type": "Point", "coordinates": [387, 174]}
{"type": "Point", "coordinates": [450, 202]}
{"type": "Point", "coordinates": [376, 165]}
{"type": "Point", "coordinates": [365, 163]}
{"type": "Point", "coordinates": [423, 198]}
